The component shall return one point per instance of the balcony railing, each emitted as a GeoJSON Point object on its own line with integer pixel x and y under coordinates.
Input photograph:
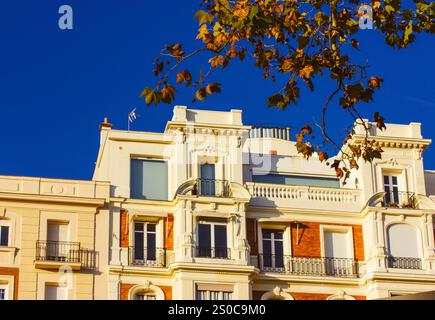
{"type": "Point", "coordinates": [270, 132]}
{"type": "Point", "coordinates": [308, 266]}
{"type": "Point", "coordinates": [148, 257]}
{"type": "Point", "coordinates": [215, 253]}
{"type": "Point", "coordinates": [404, 263]}
{"type": "Point", "coordinates": [212, 188]}
{"type": "Point", "coordinates": [400, 199]}
{"type": "Point", "coordinates": [58, 251]}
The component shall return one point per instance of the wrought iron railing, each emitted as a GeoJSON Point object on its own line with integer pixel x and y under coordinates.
{"type": "Point", "coordinates": [59, 251]}
{"type": "Point", "coordinates": [270, 132]}
{"type": "Point", "coordinates": [404, 263]}
{"type": "Point", "coordinates": [212, 188]}
{"type": "Point", "coordinates": [400, 199]}
{"type": "Point", "coordinates": [147, 257]}
{"type": "Point", "coordinates": [309, 266]}
{"type": "Point", "coordinates": [211, 252]}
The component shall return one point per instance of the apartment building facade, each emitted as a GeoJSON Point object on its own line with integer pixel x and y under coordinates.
{"type": "Point", "coordinates": [215, 209]}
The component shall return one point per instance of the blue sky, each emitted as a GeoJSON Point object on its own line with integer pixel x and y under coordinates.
{"type": "Point", "coordinates": [56, 86]}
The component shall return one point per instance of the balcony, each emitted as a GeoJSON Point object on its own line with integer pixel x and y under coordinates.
{"type": "Point", "coordinates": [213, 253]}
{"type": "Point", "coordinates": [306, 197]}
{"type": "Point", "coordinates": [404, 263]}
{"type": "Point", "coordinates": [56, 254]}
{"type": "Point", "coordinates": [149, 257]}
{"type": "Point", "coordinates": [400, 199]}
{"type": "Point", "coordinates": [212, 188]}
{"type": "Point", "coordinates": [270, 132]}
{"type": "Point", "coordinates": [309, 266]}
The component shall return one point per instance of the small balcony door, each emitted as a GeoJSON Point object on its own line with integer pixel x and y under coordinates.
{"type": "Point", "coordinates": [57, 237]}
{"type": "Point", "coordinates": [144, 241]}
{"type": "Point", "coordinates": [212, 240]}
{"type": "Point", "coordinates": [337, 253]}
{"type": "Point", "coordinates": [391, 188]}
{"type": "Point", "coordinates": [273, 249]}
{"type": "Point", "coordinates": [208, 179]}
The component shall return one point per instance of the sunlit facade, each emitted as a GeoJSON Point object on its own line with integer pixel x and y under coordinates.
{"type": "Point", "coordinates": [212, 209]}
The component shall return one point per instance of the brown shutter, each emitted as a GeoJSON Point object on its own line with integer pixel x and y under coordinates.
{"type": "Point", "coordinates": [169, 232]}
{"type": "Point", "coordinates": [124, 223]}
{"type": "Point", "coordinates": [251, 233]}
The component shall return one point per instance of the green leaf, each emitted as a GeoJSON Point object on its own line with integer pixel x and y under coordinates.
{"type": "Point", "coordinates": [203, 17]}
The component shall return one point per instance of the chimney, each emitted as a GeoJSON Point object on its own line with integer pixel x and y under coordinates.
{"type": "Point", "coordinates": [105, 127]}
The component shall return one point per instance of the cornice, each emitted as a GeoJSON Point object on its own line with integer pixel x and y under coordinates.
{"type": "Point", "coordinates": [52, 199]}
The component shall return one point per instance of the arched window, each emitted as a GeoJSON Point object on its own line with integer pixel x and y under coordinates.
{"type": "Point", "coordinates": [147, 292]}
{"type": "Point", "coordinates": [403, 246]}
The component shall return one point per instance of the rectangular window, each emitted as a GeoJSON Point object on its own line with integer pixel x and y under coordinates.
{"type": "Point", "coordinates": [213, 295]}
{"type": "Point", "coordinates": [273, 249]}
{"type": "Point", "coordinates": [296, 180]}
{"type": "Point", "coordinates": [208, 180]}
{"type": "Point", "coordinates": [391, 188]}
{"type": "Point", "coordinates": [4, 236]}
{"type": "Point", "coordinates": [212, 240]}
{"type": "Point", "coordinates": [145, 241]}
{"type": "Point", "coordinates": [337, 247]}
{"type": "Point", "coordinates": [55, 292]}
{"type": "Point", "coordinates": [3, 293]}
{"type": "Point", "coordinates": [57, 248]}
{"type": "Point", "coordinates": [149, 179]}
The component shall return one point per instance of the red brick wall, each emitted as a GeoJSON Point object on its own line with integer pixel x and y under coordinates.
{"type": "Point", "coordinates": [309, 239]}
{"type": "Point", "coordinates": [168, 292]}
{"type": "Point", "coordinates": [169, 232]}
{"type": "Point", "coordinates": [251, 234]}
{"type": "Point", "coordinates": [12, 272]}
{"type": "Point", "coordinates": [124, 233]}
{"type": "Point", "coordinates": [125, 289]}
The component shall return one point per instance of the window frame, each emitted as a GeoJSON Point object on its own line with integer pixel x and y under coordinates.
{"type": "Point", "coordinates": [273, 241]}
{"type": "Point", "coordinates": [5, 287]}
{"type": "Point", "coordinates": [149, 159]}
{"type": "Point", "coordinates": [145, 233]}
{"type": "Point", "coordinates": [341, 229]}
{"type": "Point", "coordinates": [8, 239]}
{"type": "Point", "coordinates": [212, 232]}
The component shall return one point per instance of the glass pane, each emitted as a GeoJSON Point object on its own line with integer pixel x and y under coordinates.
{"type": "Point", "coordinates": [2, 294]}
{"type": "Point", "coordinates": [278, 235]}
{"type": "Point", "coordinates": [149, 179]}
{"type": "Point", "coordinates": [396, 194]}
{"type": "Point", "coordinates": [208, 182]}
{"type": "Point", "coordinates": [394, 180]}
{"type": "Point", "coordinates": [138, 227]}
{"type": "Point", "coordinates": [4, 236]}
{"type": "Point", "coordinates": [138, 246]}
{"type": "Point", "coordinates": [151, 246]}
{"type": "Point", "coordinates": [151, 227]}
{"type": "Point", "coordinates": [267, 253]}
{"type": "Point", "coordinates": [266, 234]}
{"type": "Point", "coordinates": [386, 180]}
{"type": "Point", "coordinates": [204, 240]}
{"type": "Point", "coordinates": [387, 196]}
{"type": "Point", "coordinates": [220, 241]}
{"type": "Point", "coordinates": [279, 254]}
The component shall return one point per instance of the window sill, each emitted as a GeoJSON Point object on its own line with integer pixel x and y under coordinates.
{"type": "Point", "coordinates": [7, 249]}
{"type": "Point", "coordinates": [57, 265]}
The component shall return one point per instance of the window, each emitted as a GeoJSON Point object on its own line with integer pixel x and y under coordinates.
{"type": "Point", "coordinates": [56, 292]}
{"type": "Point", "coordinates": [296, 180]}
{"type": "Point", "coordinates": [273, 249]}
{"type": "Point", "coordinates": [57, 246]}
{"type": "Point", "coordinates": [403, 247]}
{"type": "Point", "coordinates": [144, 241]}
{"type": "Point", "coordinates": [391, 188]}
{"type": "Point", "coordinates": [4, 236]}
{"type": "Point", "coordinates": [213, 295]}
{"type": "Point", "coordinates": [338, 252]}
{"type": "Point", "coordinates": [208, 181]}
{"type": "Point", "coordinates": [3, 292]}
{"type": "Point", "coordinates": [144, 296]}
{"type": "Point", "coordinates": [212, 240]}
{"type": "Point", "coordinates": [149, 179]}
